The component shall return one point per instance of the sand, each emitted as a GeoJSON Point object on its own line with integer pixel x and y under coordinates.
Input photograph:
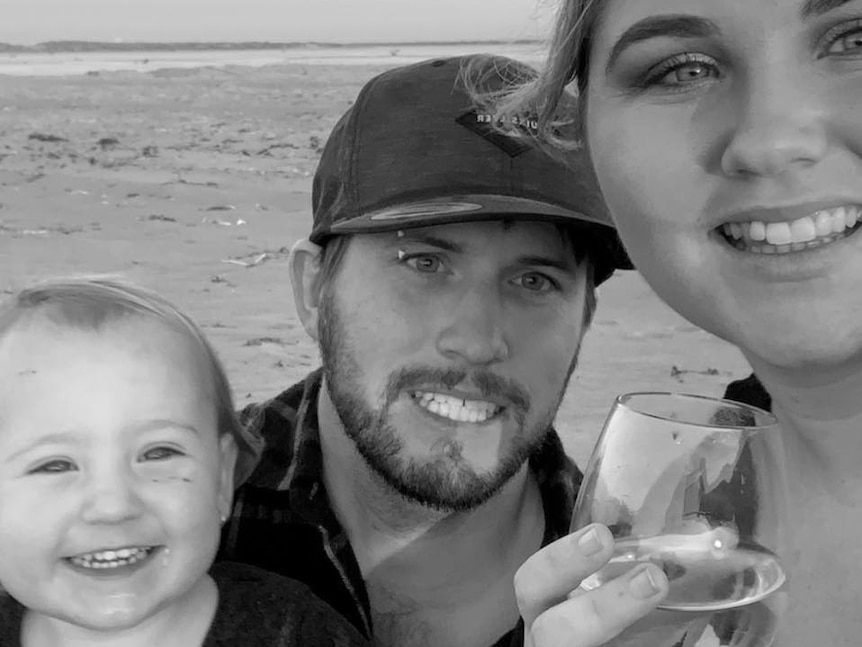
{"type": "Point", "coordinates": [197, 182]}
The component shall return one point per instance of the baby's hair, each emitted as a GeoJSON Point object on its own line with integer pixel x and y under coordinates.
{"type": "Point", "coordinates": [94, 303]}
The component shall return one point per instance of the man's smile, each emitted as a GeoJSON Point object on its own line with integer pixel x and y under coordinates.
{"type": "Point", "coordinates": [456, 408]}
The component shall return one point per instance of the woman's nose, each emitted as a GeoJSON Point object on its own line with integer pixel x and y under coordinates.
{"type": "Point", "coordinates": [780, 124]}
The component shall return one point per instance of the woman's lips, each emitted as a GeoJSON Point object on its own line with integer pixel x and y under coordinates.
{"type": "Point", "coordinates": [820, 228]}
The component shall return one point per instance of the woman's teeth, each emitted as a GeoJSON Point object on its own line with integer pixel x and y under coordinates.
{"type": "Point", "coordinates": [818, 229]}
{"type": "Point", "coordinates": [456, 409]}
{"type": "Point", "coordinates": [111, 558]}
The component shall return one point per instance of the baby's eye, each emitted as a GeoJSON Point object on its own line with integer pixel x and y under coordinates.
{"type": "Point", "coordinates": [54, 466]}
{"type": "Point", "coordinates": [160, 454]}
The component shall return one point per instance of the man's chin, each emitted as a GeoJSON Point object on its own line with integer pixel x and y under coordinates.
{"type": "Point", "coordinates": [443, 485]}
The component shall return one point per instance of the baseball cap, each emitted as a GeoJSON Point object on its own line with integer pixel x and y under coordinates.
{"type": "Point", "coordinates": [415, 150]}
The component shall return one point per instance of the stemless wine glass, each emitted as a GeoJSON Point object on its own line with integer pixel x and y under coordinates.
{"type": "Point", "coordinates": [696, 485]}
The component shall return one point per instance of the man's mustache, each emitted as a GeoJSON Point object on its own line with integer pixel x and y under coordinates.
{"type": "Point", "coordinates": [489, 385]}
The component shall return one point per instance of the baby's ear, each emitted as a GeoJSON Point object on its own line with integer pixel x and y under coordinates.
{"type": "Point", "coordinates": [228, 454]}
{"type": "Point", "coordinates": [304, 267]}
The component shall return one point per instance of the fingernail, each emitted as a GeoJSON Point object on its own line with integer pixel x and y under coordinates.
{"type": "Point", "coordinates": [590, 543]}
{"type": "Point", "coordinates": [643, 585]}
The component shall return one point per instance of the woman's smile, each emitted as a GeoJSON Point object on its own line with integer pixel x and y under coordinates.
{"type": "Point", "coordinates": [820, 228]}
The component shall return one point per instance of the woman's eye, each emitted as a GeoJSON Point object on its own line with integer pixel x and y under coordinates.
{"type": "Point", "coordinates": [56, 466]}
{"type": "Point", "coordinates": [681, 71]}
{"type": "Point", "coordinates": [424, 263]}
{"type": "Point", "coordinates": [536, 282]}
{"type": "Point", "coordinates": [849, 42]}
{"type": "Point", "coordinates": [160, 454]}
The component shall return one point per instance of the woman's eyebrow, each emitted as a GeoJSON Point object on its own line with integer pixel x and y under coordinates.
{"type": "Point", "coordinates": [669, 26]}
{"type": "Point", "coordinates": [814, 8]}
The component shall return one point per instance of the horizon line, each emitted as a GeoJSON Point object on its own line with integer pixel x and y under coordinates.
{"type": "Point", "coordinates": [293, 43]}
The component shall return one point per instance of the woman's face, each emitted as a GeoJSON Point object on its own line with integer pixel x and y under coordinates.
{"type": "Point", "coordinates": [727, 137]}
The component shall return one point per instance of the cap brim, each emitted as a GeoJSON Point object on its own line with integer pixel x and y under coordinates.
{"type": "Point", "coordinates": [461, 208]}
{"type": "Point", "coordinates": [475, 208]}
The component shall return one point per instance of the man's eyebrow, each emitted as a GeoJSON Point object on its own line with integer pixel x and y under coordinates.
{"type": "Point", "coordinates": [669, 26]}
{"type": "Point", "coordinates": [814, 8]}
{"type": "Point", "coordinates": [568, 266]}
{"type": "Point", "coordinates": [430, 240]}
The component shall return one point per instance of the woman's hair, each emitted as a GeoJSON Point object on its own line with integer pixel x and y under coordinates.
{"type": "Point", "coordinates": [92, 304]}
{"type": "Point", "coordinates": [550, 94]}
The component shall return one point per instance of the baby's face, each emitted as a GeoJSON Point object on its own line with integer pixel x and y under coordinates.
{"type": "Point", "coordinates": [112, 475]}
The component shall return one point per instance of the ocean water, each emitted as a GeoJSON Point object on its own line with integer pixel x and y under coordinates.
{"type": "Point", "coordinates": [70, 64]}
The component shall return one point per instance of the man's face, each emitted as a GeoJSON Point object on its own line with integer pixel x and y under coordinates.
{"type": "Point", "coordinates": [447, 351]}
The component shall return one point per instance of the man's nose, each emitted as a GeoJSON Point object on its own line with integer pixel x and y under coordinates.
{"type": "Point", "coordinates": [780, 123]}
{"type": "Point", "coordinates": [474, 329]}
{"type": "Point", "coordinates": [111, 495]}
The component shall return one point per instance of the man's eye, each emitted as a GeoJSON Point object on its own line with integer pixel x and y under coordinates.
{"type": "Point", "coordinates": [160, 454]}
{"type": "Point", "coordinates": [424, 263]}
{"type": "Point", "coordinates": [536, 282]}
{"type": "Point", "coordinates": [55, 466]}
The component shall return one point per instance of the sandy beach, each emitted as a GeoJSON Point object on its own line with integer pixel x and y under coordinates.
{"type": "Point", "coordinates": [196, 182]}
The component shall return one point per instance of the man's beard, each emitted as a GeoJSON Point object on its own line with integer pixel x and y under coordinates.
{"type": "Point", "coordinates": [445, 482]}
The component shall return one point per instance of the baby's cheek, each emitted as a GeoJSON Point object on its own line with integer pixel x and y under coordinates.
{"type": "Point", "coordinates": [181, 486]}
{"type": "Point", "coordinates": [173, 472]}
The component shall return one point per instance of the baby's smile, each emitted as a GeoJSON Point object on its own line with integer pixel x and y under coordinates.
{"type": "Point", "coordinates": [113, 559]}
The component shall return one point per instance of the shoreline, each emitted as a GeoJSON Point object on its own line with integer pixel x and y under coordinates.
{"type": "Point", "coordinates": [94, 63]}
{"type": "Point", "coordinates": [81, 46]}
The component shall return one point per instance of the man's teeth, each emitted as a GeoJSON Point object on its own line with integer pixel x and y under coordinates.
{"type": "Point", "coordinates": [817, 229]}
{"type": "Point", "coordinates": [456, 409]}
{"type": "Point", "coordinates": [111, 558]}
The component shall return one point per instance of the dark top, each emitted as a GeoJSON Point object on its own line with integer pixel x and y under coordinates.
{"type": "Point", "coordinates": [282, 519]}
{"type": "Point", "coordinates": [254, 608]}
{"type": "Point", "coordinates": [749, 391]}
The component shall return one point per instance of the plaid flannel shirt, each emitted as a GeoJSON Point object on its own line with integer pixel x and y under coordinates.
{"type": "Point", "coordinates": [282, 520]}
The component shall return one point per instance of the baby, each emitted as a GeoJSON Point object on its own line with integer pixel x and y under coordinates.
{"type": "Point", "coordinates": [118, 447]}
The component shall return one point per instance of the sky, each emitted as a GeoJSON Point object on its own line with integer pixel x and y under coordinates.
{"type": "Point", "coordinates": [27, 22]}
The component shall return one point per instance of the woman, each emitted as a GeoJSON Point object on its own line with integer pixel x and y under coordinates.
{"type": "Point", "coordinates": [727, 139]}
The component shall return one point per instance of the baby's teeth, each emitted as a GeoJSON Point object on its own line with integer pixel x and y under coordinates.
{"type": "Point", "coordinates": [778, 233]}
{"type": "Point", "coordinates": [852, 216]}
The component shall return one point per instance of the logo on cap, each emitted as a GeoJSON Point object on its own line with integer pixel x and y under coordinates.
{"type": "Point", "coordinates": [488, 127]}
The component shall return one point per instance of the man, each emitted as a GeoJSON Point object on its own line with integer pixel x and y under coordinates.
{"type": "Point", "coordinates": [448, 279]}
